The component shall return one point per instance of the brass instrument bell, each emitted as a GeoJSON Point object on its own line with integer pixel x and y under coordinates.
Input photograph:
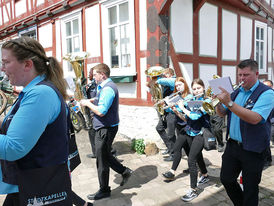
{"type": "Point", "coordinates": [156, 89]}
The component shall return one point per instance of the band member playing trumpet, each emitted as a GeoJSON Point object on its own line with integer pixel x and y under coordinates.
{"type": "Point", "coordinates": [194, 118]}
{"type": "Point", "coordinates": [248, 109]}
{"type": "Point", "coordinates": [167, 121]}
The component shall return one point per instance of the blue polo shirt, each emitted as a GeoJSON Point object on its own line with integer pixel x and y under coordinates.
{"type": "Point", "coordinates": [262, 106]}
{"type": "Point", "coordinates": [39, 107]}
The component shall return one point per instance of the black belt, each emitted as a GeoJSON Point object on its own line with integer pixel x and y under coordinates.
{"type": "Point", "coordinates": [235, 141]}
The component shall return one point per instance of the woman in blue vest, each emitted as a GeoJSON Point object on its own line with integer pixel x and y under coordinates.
{"type": "Point", "coordinates": [37, 122]}
{"type": "Point", "coordinates": [195, 118]}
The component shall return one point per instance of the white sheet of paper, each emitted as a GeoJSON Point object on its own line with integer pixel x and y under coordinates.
{"type": "Point", "coordinates": [196, 104]}
{"type": "Point", "coordinates": [223, 82]}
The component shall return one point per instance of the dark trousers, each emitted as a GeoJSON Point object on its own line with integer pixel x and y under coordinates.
{"type": "Point", "coordinates": [179, 144]}
{"type": "Point", "coordinates": [104, 158]}
{"type": "Point", "coordinates": [234, 160]}
{"type": "Point", "coordinates": [217, 128]}
{"type": "Point", "coordinates": [166, 130]}
{"type": "Point", "coordinates": [91, 135]}
{"type": "Point", "coordinates": [12, 200]}
{"type": "Point", "coordinates": [196, 145]}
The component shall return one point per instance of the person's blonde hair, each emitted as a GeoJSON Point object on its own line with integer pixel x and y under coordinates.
{"type": "Point", "coordinates": [102, 68]}
{"type": "Point", "coordinates": [24, 48]}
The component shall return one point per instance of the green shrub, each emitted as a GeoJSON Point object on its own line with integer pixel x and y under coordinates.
{"type": "Point", "coordinates": [138, 145]}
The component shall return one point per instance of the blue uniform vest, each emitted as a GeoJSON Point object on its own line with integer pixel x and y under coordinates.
{"type": "Point", "coordinates": [197, 125]}
{"type": "Point", "coordinates": [255, 138]}
{"type": "Point", "coordinates": [51, 148]}
{"type": "Point", "coordinates": [112, 115]}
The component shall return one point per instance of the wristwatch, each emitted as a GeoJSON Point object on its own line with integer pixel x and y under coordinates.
{"type": "Point", "coordinates": [230, 104]}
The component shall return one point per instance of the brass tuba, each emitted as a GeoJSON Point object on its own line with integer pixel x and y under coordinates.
{"type": "Point", "coordinates": [156, 89]}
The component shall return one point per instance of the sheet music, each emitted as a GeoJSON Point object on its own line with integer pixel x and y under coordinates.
{"type": "Point", "coordinates": [195, 104]}
{"type": "Point", "coordinates": [224, 82]}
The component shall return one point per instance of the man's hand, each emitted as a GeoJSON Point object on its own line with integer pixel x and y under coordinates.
{"type": "Point", "coordinates": [84, 102]}
{"type": "Point", "coordinates": [224, 96]}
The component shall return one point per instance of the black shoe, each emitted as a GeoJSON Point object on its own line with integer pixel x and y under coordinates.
{"type": "Point", "coordinates": [90, 204]}
{"type": "Point", "coordinates": [91, 156]}
{"type": "Point", "coordinates": [169, 175]}
{"type": "Point", "coordinates": [169, 158]}
{"type": "Point", "coordinates": [126, 175]}
{"type": "Point", "coordinates": [186, 171]}
{"type": "Point", "coordinates": [99, 195]}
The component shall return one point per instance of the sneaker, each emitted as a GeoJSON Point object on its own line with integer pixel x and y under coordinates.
{"type": "Point", "coordinates": [190, 195]}
{"type": "Point", "coordinates": [168, 175]}
{"type": "Point", "coordinates": [165, 152]}
{"type": "Point", "coordinates": [125, 176]}
{"type": "Point", "coordinates": [203, 180]}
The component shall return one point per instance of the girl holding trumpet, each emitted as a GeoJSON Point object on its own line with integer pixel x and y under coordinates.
{"type": "Point", "coordinates": [191, 121]}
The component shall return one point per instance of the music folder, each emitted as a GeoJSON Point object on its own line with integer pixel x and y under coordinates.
{"type": "Point", "coordinates": [224, 82]}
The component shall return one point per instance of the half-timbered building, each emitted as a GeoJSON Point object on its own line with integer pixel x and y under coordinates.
{"type": "Point", "coordinates": [198, 38]}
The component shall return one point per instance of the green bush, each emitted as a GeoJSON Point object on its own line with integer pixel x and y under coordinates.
{"type": "Point", "coordinates": [138, 145]}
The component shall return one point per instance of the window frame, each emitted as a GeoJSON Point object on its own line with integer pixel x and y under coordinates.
{"type": "Point", "coordinates": [27, 31]}
{"type": "Point", "coordinates": [64, 19]}
{"type": "Point", "coordinates": [130, 71]}
{"type": "Point", "coordinates": [263, 26]}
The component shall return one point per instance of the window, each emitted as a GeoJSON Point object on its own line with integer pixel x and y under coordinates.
{"type": "Point", "coordinates": [260, 45]}
{"type": "Point", "coordinates": [30, 32]}
{"type": "Point", "coordinates": [118, 37]}
{"type": "Point", "coordinates": [71, 37]}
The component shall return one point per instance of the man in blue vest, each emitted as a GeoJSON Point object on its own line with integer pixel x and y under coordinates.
{"type": "Point", "coordinates": [105, 122]}
{"type": "Point", "coordinates": [268, 159]}
{"type": "Point", "coordinates": [248, 127]}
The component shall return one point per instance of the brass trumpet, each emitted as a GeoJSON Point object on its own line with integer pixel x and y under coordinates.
{"type": "Point", "coordinates": [209, 107]}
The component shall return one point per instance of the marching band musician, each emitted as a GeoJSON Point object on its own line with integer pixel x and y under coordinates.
{"type": "Point", "coordinates": [167, 122]}
{"type": "Point", "coordinates": [248, 109]}
{"type": "Point", "coordinates": [195, 119]}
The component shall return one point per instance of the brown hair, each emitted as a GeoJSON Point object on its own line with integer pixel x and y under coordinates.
{"type": "Point", "coordinates": [24, 48]}
{"type": "Point", "coordinates": [169, 71]}
{"type": "Point", "coordinates": [102, 68]}
{"type": "Point", "coordinates": [186, 88]}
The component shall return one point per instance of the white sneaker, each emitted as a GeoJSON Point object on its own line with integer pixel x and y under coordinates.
{"type": "Point", "coordinates": [203, 180]}
{"type": "Point", "coordinates": [190, 195]}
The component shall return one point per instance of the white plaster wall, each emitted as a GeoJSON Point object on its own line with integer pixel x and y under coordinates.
{"type": "Point", "coordinates": [187, 71]}
{"type": "Point", "coordinates": [93, 31]}
{"type": "Point", "coordinates": [208, 30]}
{"type": "Point", "coordinates": [269, 44]}
{"type": "Point", "coordinates": [206, 72]}
{"type": "Point", "coordinates": [144, 88]}
{"type": "Point", "coordinates": [181, 26]}
{"type": "Point", "coordinates": [143, 24]}
{"type": "Point", "coordinates": [6, 19]}
{"type": "Point", "coordinates": [20, 7]}
{"type": "Point", "coordinates": [58, 40]}
{"type": "Point", "coordinates": [45, 35]}
{"type": "Point", "coordinates": [39, 2]}
{"type": "Point", "coordinates": [230, 71]}
{"type": "Point", "coordinates": [127, 90]}
{"type": "Point", "coordinates": [49, 53]}
{"type": "Point", "coordinates": [246, 38]}
{"type": "Point", "coordinates": [229, 31]}
{"type": "Point", "coordinates": [1, 20]}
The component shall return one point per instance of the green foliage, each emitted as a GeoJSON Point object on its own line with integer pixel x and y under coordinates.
{"type": "Point", "coordinates": [138, 145]}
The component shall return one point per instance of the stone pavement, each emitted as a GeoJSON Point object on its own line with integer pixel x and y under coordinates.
{"type": "Point", "coordinates": [146, 187]}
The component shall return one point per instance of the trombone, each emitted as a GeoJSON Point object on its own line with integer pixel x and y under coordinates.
{"type": "Point", "coordinates": [209, 107]}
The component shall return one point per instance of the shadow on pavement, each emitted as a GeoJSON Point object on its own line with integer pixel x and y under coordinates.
{"type": "Point", "coordinates": [139, 177]}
